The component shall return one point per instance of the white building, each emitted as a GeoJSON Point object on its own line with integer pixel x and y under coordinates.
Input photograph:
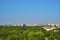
{"type": "Point", "coordinates": [21, 24]}
{"type": "Point", "coordinates": [48, 28]}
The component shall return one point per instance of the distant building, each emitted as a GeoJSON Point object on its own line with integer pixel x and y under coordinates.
{"type": "Point", "coordinates": [51, 24]}
{"type": "Point", "coordinates": [58, 25]}
{"type": "Point", "coordinates": [50, 27]}
{"type": "Point", "coordinates": [48, 24]}
{"type": "Point", "coordinates": [31, 24]}
{"type": "Point", "coordinates": [21, 24]}
{"type": "Point", "coordinates": [27, 25]}
{"type": "Point", "coordinates": [34, 25]}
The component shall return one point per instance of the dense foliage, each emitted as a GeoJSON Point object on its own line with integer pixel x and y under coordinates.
{"type": "Point", "coordinates": [27, 33]}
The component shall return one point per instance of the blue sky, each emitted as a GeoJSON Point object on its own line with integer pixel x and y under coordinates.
{"type": "Point", "coordinates": [29, 11]}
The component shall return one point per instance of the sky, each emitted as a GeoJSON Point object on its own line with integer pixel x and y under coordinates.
{"type": "Point", "coordinates": [29, 12]}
